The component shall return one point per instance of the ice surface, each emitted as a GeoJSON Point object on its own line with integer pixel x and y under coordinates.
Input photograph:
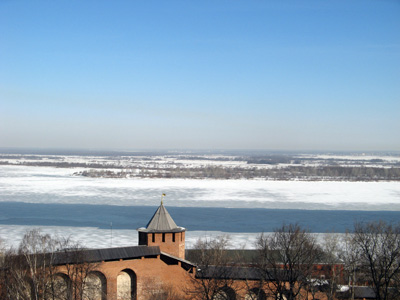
{"type": "Point", "coordinates": [92, 237]}
{"type": "Point", "coordinates": [57, 185]}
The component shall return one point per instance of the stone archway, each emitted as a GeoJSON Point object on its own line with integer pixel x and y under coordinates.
{"type": "Point", "coordinates": [95, 287]}
{"type": "Point", "coordinates": [61, 288]}
{"type": "Point", "coordinates": [225, 293]}
{"type": "Point", "coordinates": [126, 285]}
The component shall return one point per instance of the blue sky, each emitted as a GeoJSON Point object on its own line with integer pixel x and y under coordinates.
{"type": "Point", "coordinates": [275, 75]}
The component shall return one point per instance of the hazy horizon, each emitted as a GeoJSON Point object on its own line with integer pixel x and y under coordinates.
{"type": "Point", "coordinates": [115, 151]}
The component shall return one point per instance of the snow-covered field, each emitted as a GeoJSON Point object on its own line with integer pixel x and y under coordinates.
{"type": "Point", "coordinates": [57, 185]}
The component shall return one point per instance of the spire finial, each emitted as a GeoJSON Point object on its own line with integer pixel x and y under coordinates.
{"type": "Point", "coordinates": [162, 198]}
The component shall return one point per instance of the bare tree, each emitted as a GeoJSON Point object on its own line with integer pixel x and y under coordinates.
{"type": "Point", "coordinates": [350, 255]}
{"type": "Point", "coordinates": [83, 282]}
{"type": "Point", "coordinates": [28, 272]}
{"type": "Point", "coordinates": [14, 283]}
{"type": "Point", "coordinates": [38, 251]}
{"type": "Point", "coordinates": [214, 278]}
{"type": "Point", "coordinates": [3, 275]}
{"type": "Point", "coordinates": [33, 271]}
{"type": "Point", "coordinates": [286, 259]}
{"type": "Point", "coordinates": [378, 244]}
{"type": "Point", "coordinates": [331, 247]}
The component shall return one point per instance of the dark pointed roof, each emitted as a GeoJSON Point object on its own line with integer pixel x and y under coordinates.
{"type": "Point", "coordinates": [161, 222]}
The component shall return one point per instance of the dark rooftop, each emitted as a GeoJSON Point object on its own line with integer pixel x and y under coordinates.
{"type": "Point", "coordinates": [108, 254]}
{"type": "Point", "coordinates": [231, 256]}
{"type": "Point", "coordinates": [78, 256]}
{"type": "Point", "coordinates": [161, 222]}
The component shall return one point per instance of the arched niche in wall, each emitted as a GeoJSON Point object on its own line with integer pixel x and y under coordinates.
{"type": "Point", "coordinates": [95, 287]}
{"type": "Point", "coordinates": [126, 285]}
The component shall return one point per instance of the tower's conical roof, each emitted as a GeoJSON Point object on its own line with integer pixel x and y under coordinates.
{"type": "Point", "coordinates": [161, 222]}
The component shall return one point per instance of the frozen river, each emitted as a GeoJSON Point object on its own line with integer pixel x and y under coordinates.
{"type": "Point", "coordinates": [58, 185]}
{"type": "Point", "coordinates": [85, 208]}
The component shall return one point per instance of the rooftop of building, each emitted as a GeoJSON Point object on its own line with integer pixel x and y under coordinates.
{"type": "Point", "coordinates": [80, 256]}
{"type": "Point", "coordinates": [161, 222]}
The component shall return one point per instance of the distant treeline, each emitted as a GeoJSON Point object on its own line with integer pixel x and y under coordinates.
{"type": "Point", "coordinates": [309, 173]}
{"type": "Point", "coordinates": [293, 169]}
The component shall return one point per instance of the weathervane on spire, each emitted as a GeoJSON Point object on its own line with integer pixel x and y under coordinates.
{"type": "Point", "coordinates": [162, 198]}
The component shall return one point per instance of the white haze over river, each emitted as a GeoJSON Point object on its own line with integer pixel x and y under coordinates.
{"type": "Point", "coordinates": [49, 185]}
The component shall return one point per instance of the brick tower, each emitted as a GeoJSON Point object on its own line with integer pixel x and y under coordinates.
{"type": "Point", "coordinates": [163, 232]}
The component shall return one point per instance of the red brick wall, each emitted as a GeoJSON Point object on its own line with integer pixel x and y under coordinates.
{"type": "Point", "coordinates": [166, 243]}
{"type": "Point", "coordinates": [152, 275]}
